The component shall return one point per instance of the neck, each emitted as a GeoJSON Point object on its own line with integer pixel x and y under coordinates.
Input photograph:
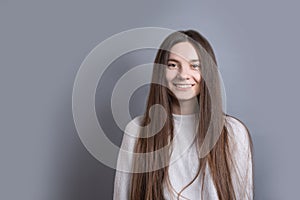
{"type": "Point", "coordinates": [186, 107]}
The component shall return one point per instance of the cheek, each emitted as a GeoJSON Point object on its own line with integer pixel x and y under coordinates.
{"type": "Point", "coordinates": [198, 77]}
{"type": "Point", "coordinates": [170, 75]}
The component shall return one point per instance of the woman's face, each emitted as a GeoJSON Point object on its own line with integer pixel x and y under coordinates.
{"type": "Point", "coordinates": [183, 71]}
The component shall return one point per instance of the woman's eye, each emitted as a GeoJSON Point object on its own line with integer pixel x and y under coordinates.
{"type": "Point", "coordinates": [196, 66]}
{"type": "Point", "coordinates": [172, 65]}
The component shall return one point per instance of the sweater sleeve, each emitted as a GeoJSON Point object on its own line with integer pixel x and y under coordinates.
{"type": "Point", "coordinates": [122, 180]}
{"type": "Point", "coordinates": [240, 145]}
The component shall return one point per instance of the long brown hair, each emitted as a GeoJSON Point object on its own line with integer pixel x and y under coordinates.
{"type": "Point", "coordinates": [148, 185]}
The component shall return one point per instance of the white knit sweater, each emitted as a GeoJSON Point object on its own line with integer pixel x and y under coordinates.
{"type": "Point", "coordinates": [184, 161]}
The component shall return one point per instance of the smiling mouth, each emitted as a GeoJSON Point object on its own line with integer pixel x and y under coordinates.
{"type": "Point", "coordinates": [183, 85]}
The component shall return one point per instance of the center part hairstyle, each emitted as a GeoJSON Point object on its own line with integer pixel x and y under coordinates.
{"type": "Point", "coordinates": [152, 172]}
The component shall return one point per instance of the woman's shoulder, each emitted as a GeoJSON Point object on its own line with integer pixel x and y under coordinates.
{"type": "Point", "coordinates": [235, 122]}
{"type": "Point", "coordinates": [131, 133]}
{"type": "Point", "coordinates": [133, 127]}
{"type": "Point", "coordinates": [237, 130]}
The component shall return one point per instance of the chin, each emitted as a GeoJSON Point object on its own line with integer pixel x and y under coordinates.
{"type": "Point", "coordinates": [185, 98]}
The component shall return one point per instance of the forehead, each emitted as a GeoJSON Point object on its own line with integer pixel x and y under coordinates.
{"type": "Point", "coordinates": [183, 50]}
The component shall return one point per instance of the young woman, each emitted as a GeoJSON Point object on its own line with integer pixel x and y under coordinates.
{"type": "Point", "coordinates": [185, 146]}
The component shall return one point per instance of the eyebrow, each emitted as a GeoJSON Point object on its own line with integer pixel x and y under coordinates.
{"type": "Point", "coordinates": [193, 60]}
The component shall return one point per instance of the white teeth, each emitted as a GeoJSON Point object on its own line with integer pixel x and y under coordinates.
{"type": "Point", "coordinates": [184, 85]}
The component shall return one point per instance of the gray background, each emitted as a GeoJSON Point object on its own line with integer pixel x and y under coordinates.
{"type": "Point", "coordinates": [43, 43]}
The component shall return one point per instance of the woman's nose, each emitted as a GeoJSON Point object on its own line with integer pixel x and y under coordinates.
{"type": "Point", "coordinates": [184, 72]}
